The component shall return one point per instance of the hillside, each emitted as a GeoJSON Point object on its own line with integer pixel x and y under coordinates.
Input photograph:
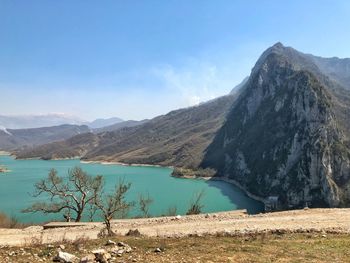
{"type": "Point", "coordinates": [11, 139]}
{"type": "Point", "coordinates": [100, 123]}
{"type": "Point", "coordinates": [119, 125]}
{"type": "Point", "coordinates": [287, 135]}
{"type": "Point", "coordinates": [177, 138]}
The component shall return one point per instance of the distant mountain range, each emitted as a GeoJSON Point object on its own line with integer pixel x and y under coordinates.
{"type": "Point", "coordinates": [53, 119]}
{"type": "Point", "coordinates": [284, 132]}
{"type": "Point", "coordinates": [37, 121]}
{"type": "Point", "coordinates": [11, 139]}
{"type": "Point", "coordinates": [99, 123]}
{"type": "Point", "coordinates": [27, 138]}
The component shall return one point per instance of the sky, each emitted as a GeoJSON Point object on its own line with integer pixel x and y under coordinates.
{"type": "Point", "coordinates": [138, 59]}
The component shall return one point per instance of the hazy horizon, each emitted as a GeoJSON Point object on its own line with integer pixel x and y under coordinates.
{"type": "Point", "coordinates": [137, 60]}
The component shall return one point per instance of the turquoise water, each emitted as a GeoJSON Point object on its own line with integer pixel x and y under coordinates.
{"type": "Point", "coordinates": [166, 191]}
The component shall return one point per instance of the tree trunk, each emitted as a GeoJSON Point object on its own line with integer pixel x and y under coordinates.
{"type": "Point", "coordinates": [109, 227]}
{"type": "Point", "coordinates": [79, 214]}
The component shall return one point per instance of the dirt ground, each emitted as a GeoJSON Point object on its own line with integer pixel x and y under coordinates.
{"type": "Point", "coordinates": [307, 247]}
{"type": "Point", "coordinates": [233, 222]}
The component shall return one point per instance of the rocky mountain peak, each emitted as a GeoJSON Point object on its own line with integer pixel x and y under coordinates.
{"type": "Point", "coordinates": [282, 136]}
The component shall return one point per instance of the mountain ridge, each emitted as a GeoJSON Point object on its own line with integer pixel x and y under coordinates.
{"type": "Point", "coordinates": [38, 121]}
{"type": "Point", "coordinates": [285, 132]}
{"type": "Point", "coordinates": [282, 136]}
{"type": "Point", "coordinates": [11, 139]}
{"type": "Point", "coordinates": [100, 123]}
{"type": "Point", "coordinates": [178, 137]}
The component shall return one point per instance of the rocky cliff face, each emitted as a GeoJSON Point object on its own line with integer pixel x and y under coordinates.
{"type": "Point", "coordinates": [283, 136]}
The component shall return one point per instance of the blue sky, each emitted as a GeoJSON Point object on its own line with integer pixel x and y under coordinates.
{"type": "Point", "coordinates": [138, 59]}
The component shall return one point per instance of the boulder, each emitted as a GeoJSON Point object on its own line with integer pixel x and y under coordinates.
{"type": "Point", "coordinates": [65, 257]}
{"type": "Point", "coordinates": [110, 242]}
{"type": "Point", "coordinates": [157, 250]}
{"type": "Point", "coordinates": [101, 255]}
{"type": "Point", "coordinates": [120, 249]}
{"type": "Point", "coordinates": [62, 247]}
{"type": "Point", "coordinates": [122, 244]}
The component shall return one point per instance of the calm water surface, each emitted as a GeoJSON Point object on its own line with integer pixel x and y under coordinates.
{"type": "Point", "coordinates": [166, 191]}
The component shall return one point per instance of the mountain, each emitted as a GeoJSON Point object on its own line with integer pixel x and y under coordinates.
{"type": "Point", "coordinates": [119, 125]}
{"type": "Point", "coordinates": [177, 138]}
{"type": "Point", "coordinates": [37, 121]}
{"type": "Point", "coordinates": [11, 139]}
{"type": "Point", "coordinates": [287, 135]}
{"type": "Point", "coordinates": [284, 133]}
{"type": "Point", "coordinates": [335, 68]}
{"type": "Point", "coordinates": [99, 123]}
{"type": "Point", "coordinates": [240, 85]}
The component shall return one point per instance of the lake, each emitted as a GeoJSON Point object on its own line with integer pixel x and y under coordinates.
{"type": "Point", "coordinates": [16, 187]}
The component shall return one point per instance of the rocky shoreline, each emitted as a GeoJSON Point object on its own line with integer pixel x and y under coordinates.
{"type": "Point", "coordinates": [104, 162]}
{"type": "Point", "coordinates": [182, 176]}
{"type": "Point", "coordinates": [126, 164]}
{"type": "Point", "coordinates": [227, 180]}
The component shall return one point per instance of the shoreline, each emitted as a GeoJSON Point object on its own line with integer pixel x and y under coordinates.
{"type": "Point", "coordinates": [230, 181]}
{"type": "Point", "coordinates": [224, 179]}
{"type": "Point", "coordinates": [91, 162]}
{"type": "Point", "coordinates": [126, 164]}
{"type": "Point", "coordinates": [235, 183]}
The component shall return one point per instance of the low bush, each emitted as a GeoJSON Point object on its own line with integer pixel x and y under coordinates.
{"type": "Point", "coordinates": [10, 222]}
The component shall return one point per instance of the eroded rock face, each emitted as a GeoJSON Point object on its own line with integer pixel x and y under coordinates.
{"type": "Point", "coordinates": [283, 138]}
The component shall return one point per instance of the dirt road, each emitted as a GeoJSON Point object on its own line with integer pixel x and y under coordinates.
{"type": "Point", "coordinates": [327, 220]}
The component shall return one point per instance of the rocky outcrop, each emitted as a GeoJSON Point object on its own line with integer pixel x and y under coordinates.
{"type": "Point", "coordinates": [283, 136]}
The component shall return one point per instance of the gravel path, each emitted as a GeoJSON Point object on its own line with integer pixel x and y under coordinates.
{"type": "Point", "coordinates": [233, 222]}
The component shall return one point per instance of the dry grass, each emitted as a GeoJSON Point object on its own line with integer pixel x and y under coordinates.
{"type": "Point", "coordinates": [10, 222]}
{"type": "Point", "coordinates": [252, 248]}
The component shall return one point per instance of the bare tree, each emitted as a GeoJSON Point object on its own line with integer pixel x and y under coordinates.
{"type": "Point", "coordinates": [144, 203]}
{"type": "Point", "coordinates": [196, 205]}
{"type": "Point", "coordinates": [172, 211]}
{"type": "Point", "coordinates": [114, 205]}
{"type": "Point", "coordinates": [92, 210]}
{"type": "Point", "coordinates": [70, 194]}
